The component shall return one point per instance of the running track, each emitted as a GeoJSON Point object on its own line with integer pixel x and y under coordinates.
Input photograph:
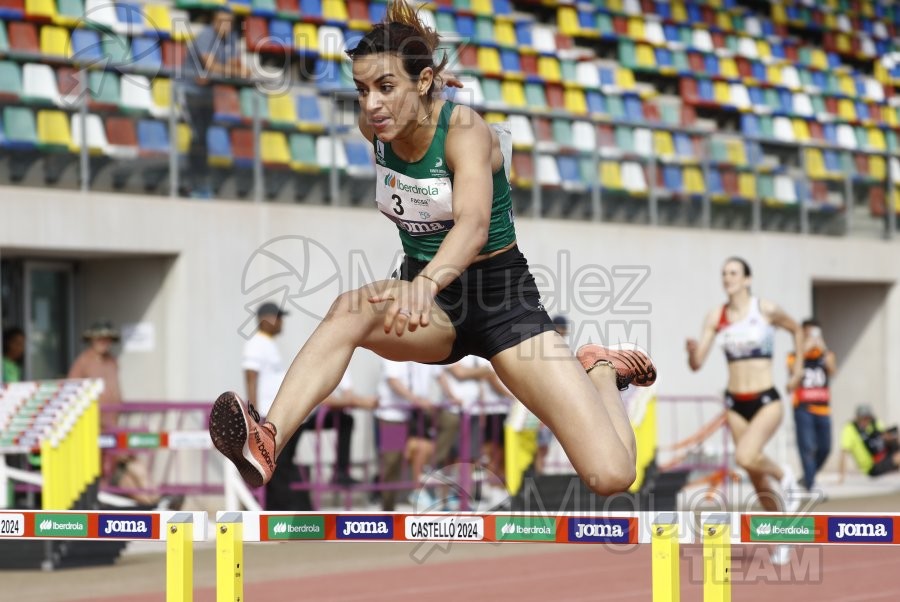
{"type": "Point", "coordinates": [845, 574]}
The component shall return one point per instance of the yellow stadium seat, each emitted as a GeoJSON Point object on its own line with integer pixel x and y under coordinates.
{"type": "Point", "coordinates": [679, 12]}
{"type": "Point", "coordinates": [183, 135]}
{"type": "Point", "coordinates": [847, 85]}
{"type": "Point", "coordinates": [843, 43]}
{"type": "Point", "coordinates": [483, 8]}
{"type": "Point", "coordinates": [877, 167]}
{"type": "Point", "coordinates": [747, 185]}
{"type": "Point", "coordinates": [40, 10]}
{"type": "Point", "coordinates": [306, 37]}
{"type": "Point", "coordinates": [55, 41]}
{"type": "Point", "coordinates": [818, 59]}
{"type": "Point", "coordinates": [615, 6]}
{"type": "Point", "coordinates": [779, 14]}
{"type": "Point", "coordinates": [693, 180]}
{"type": "Point", "coordinates": [889, 116]}
{"type": "Point", "coordinates": [495, 117]}
{"type": "Point", "coordinates": [881, 73]}
{"type": "Point", "coordinates": [505, 33]}
{"type": "Point", "coordinates": [273, 148]}
{"type": "Point", "coordinates": [610, 175]}
{"type": "Point", "coordinates": [763, 50]}
{"type": "Point", "coordinates": [728, 68]}
{"type": "Point", "coordinates": [489, 60]}
{"type": "Point", "coordinates": [283, 109]}
{"type": "Point", "coordinates": [513, 93]}
{"type": "Point", "coordinates": [575, 101]}
{"type": "Point", "coordinates": [830, 23]}
{"type": "Point", "coordinates": [53, 129]}
{"type": "Point", "coordinates": [868, 10]}
{"type": "Point", "coordinates": [737, 152]}
{"type": "Point", "coordinates": [663, 144]}
{"type": "Point", "coordinates": [801, 130]}
{"type": "Point", "coordinates": [815, 163]}
{"type": "Point", "coordinates": [334, 10]}
{"type": "Point", "coordinates": [723, 21]}
{"type": "Point", "coordinates": [876, 139]}
{"type": "Point", "coordinates": [625, 78]}
{"type": "Point", "coordinates": [548, 69]}
{"type": "Point", "coordinates": [636, 28]}
{"type": "Point", "coordinates": [773, 73]}
{"type": "Point", "coordinates": [846, 109]}
{"type": "Point", "coordinates": [722, 92]}
{"type": "Point", "coordinates": [161, 90]}
{"type": "Point", "coordinates": [158, 18]}
{"type": "Point", "coordinates": [567, 21]}
{"type": "Point", "coordinates": [645, 57]}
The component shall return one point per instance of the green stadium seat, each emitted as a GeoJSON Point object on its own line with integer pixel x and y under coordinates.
{"type": "Point", "coordinates": [303, 153]}
{"type": "Point", "coordinates": [247, 96]}
{"type": "Point", "coordinates": [19, 128]}
{"type": "Point", "coordinates": [10, 81]}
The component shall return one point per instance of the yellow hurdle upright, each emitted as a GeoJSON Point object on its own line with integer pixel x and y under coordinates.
{"type": "Point", "coordinates": [230, 558]}
{"type": "Point", "coordinates": [665, 564]}
{"type": "Point", "coordinates": [180, 558]}
{"type": "Point", "coordinates": [717, 558]}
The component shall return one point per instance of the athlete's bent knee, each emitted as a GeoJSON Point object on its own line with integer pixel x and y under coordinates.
{"type": "Point", "coordinates": [612, 480]}
{"type": "Point", "coordinates": [353, 303]}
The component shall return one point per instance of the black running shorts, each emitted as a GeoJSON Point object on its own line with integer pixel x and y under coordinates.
{"type": "Point", "coordinates": [494, 305]}
{"type": "Point", "coordinates": [748, 404]}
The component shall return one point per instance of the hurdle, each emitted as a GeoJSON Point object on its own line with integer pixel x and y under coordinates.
{"type": "Point", "coordinates": [664, 531]}
{"type": "Point", "coordinates": [721, 531]}
{"type": "Point", "coordinates": [179, 531]}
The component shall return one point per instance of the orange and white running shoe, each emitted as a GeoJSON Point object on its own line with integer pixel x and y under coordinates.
{"type": "Point", "coordinates": [236, 432]}
{"type": "Point", "coordinates": [632, 364]}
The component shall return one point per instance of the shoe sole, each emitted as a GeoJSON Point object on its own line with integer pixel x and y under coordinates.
{"type": "Point", "coordinates": [635, 358]}
{"type": "Point", "coordinates": [229, 429]}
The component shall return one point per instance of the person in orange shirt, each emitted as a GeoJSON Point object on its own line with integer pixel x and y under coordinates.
{"type": "Point", "coordinates": [812, 399]}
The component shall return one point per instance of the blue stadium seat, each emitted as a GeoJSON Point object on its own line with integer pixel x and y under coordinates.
{"type": "Point", "coordinates": [509, 60]}
{"type": "Point", "coordinates": [131, 15]}
{"type": "Point", "coordinates": [86, 47]}
{"type": "Point", "coordinates": [671, 31]}
{"type": "Point", "coordinates": [281, 33]}
{"type": "Point", "coordinates": [377, 11]}
{"type": "Point", "coordinates": [311, 10]}
{"type": "Point", "coordinates": [750, 125]}
{"type": "Point", "coordinates": [664, 58]}
{"type": "Point", "coordinates": [634, 108]}
{"type": "Point", "coordinates": [714, 182]}
{"type": "Point", "coordinates": [607, 76]}
{"type": "Point", "coordinates": [147, 54]}
{"type": "Point", "coordinates": [308, 110]}
{"type": "Point", "coordinates": [153, 137]}
{"type": "Point", "coordinates": [359, 159]}
{"type": "Point", "coordinates": [219, 144]}
{"type": "Point", "coordinates": [352, 38]}
{"type": "Point", "coordinates": [502, 7]}
{"type": "Point", "coordinates": [465, 26]}
{"type": "Point", "coordinates": [757, 97]}
{"type": "Point", "coordinates": [596, 102]}
{"type": "Point", "coordinates": [683, 145]}
{"type": "Point", "coordinates": [672, 178]}
{"type": "Point", "coordinates": [523, 33]}
{"type": "Point", "coordinates": [328, 75]}
{"type": "Point", "coordinates": [569, 172]}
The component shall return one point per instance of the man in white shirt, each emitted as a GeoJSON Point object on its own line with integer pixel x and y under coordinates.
{"type": "Point", "coordinates": [263, 372]}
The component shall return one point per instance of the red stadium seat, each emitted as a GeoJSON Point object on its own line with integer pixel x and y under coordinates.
{"type": "Point", "coordinates": [242, 147]}
{"type": "Point", "coordinates": [256, 33]}
{"type": "Point", "coordinates": [529, 64]}
{"type": "Point", "coordinates": [556, 97]}
{"type": "Point", "coordinates": [121, 132]}
{"type": "Point", "coordinates": [226, 104]}
{"type": "Point", "coordinates": [173, 54]}
{"type": "Point", "coordinates": [288, 8]}
{"type": "Point", "coordinates": [522, 169]}
{"type": "Point", "coordinates": [23, 39]}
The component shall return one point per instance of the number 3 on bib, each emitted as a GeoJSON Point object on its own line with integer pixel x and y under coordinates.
{"type": "Point", "coordinates": [398, 208]}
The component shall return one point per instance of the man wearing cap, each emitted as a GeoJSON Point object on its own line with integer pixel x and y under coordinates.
{"type": "Point", "coordinates": [874, 449]}
{"type": "Point", "coordinates": [263, 372]}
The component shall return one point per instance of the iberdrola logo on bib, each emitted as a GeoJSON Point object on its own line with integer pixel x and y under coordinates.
{"type": "Point", "coordinates": [392, 181]}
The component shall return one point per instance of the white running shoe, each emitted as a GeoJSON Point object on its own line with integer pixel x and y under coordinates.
{"type": "Point", "coordinates": [781, 555]}
{"type": "Point", "coordinates": [790, 492]}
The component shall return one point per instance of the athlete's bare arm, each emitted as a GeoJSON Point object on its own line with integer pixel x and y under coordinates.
{"type": "Point", "coordinates": [698, 352]}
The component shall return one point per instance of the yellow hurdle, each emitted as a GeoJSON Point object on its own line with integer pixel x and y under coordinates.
{"type": "Point", "coordinates": [230, 558]}
{"type": "Point", "coordinates": [180, 559]}
{"type": "Point", "coordinates": [665, 562]}
{"type": "Point", "coordinates": [717, 558]}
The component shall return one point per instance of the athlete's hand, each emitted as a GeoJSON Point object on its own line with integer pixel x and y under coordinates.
{"type": "Point", "coordinates": [410, 306]}
{"type": "Point", "coordinates": [451, 81]}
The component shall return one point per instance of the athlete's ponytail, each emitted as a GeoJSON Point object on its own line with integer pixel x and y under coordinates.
{"type": "Point", "coordinates": [405, 35]}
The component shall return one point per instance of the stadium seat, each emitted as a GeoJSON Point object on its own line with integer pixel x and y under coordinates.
{"type": "Point", "coordinates": [785, 189]}
{"type": "Point", "coordinates": [493, 94]}
{"type": "Point", "coordinates": [263, 8]}
{"type": "Point", "coordinates": [10, 81]}
{"type": "Point", "coordinates": [544, 39]}
{"type": "Point", "coordinates": [360, 163]}
{"type": "Point", "coordinates": [157, 19]}
{"type": "Point", "coordinates": [470, 94]}
{"type": "Point", "coordinates": [282, 110]}
{"type": "Point", "coordinates": [40, 11]}
{"type": "Point", "coordinates": [95, 134]}
{"type": "Point", "coordinates": [484, 31]}
{"type": "Point", "coordinates": [39, 85]}
{"type": "Point", "coordinates": [242, 147]}
{"type": "Point", "coordinates": [465, 27]}
{"type": "Point", "coordinates": [569, 173]}
{"type": "Point", "coordinates": [335, 12]}
{"type": "Point", "coordinates": [19, 128]}
{"type": "Point", "coordinates": [522, 174]}
{"type": "Point", "coordinates": [218, 143]}
{"type": "Point", "coordinates": [510, 64]}
{"type": "Point", "coordinates": [642, 141]}
{"type": "Point", "coordinates": [103, 14]}
{"type": "Point", "coordinates": [249, 97]}
{"type": "Point", "coordinates": [153, 138]}
{"type": "Point", "coordinates": [173, 54]}
{"type": "Point", "coordinates": [86, 47]}
{"type": "Point", "coordinates": [122, 137]}
{"type": "Point", "coordinates": [513, 94]}
{"type": "Point", "coordinates": [226, 104]}
{"type": "Point", "coordinates": [104, 88]}
{"type": "Point", "coordinates": [12, 10]}
{"type": "Point", "coordinates": [136, 94]}
{"type": "Point", "coordinates": [53, 132]}
{"type": "Point", "coordinates": [324, 154]}
{"type": "Point", "coordinates": [522, 132]}
{"type": "Point", "coordinates": [161, 93]}
{"type": "Point", "coordinates": [548, 171]}
{"type": "Point", "coordinates": [555, 97]}
{"type": "Point", "coordinates": [584, 136]}
{"type": "Point", "coordinates": [303, 153]}
{"type": "Point", "coordinates": [358, 15]}
{"type": "Point", "coordinates": [69, 12]}
{"type": "Point", "coordinates": [147, 55]}
{"type": "Point", "coordinates": [489, 61]}
{"type": "Point", "coordinates": [116, 49]}
{"type": "Point", "coordinates": [306, 38]}
{"type": "Point", "coordinates": [309, 113]}
{"type": "Point", "coordinates": [548, 69]}
{"type": "Point", "coordinates": [23, 40]}
{"type": "Point", "coordinates": [274, 151]}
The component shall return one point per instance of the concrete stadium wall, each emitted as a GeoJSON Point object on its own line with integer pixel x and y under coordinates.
{"type": "Point", "coordinates": [191, 268]}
